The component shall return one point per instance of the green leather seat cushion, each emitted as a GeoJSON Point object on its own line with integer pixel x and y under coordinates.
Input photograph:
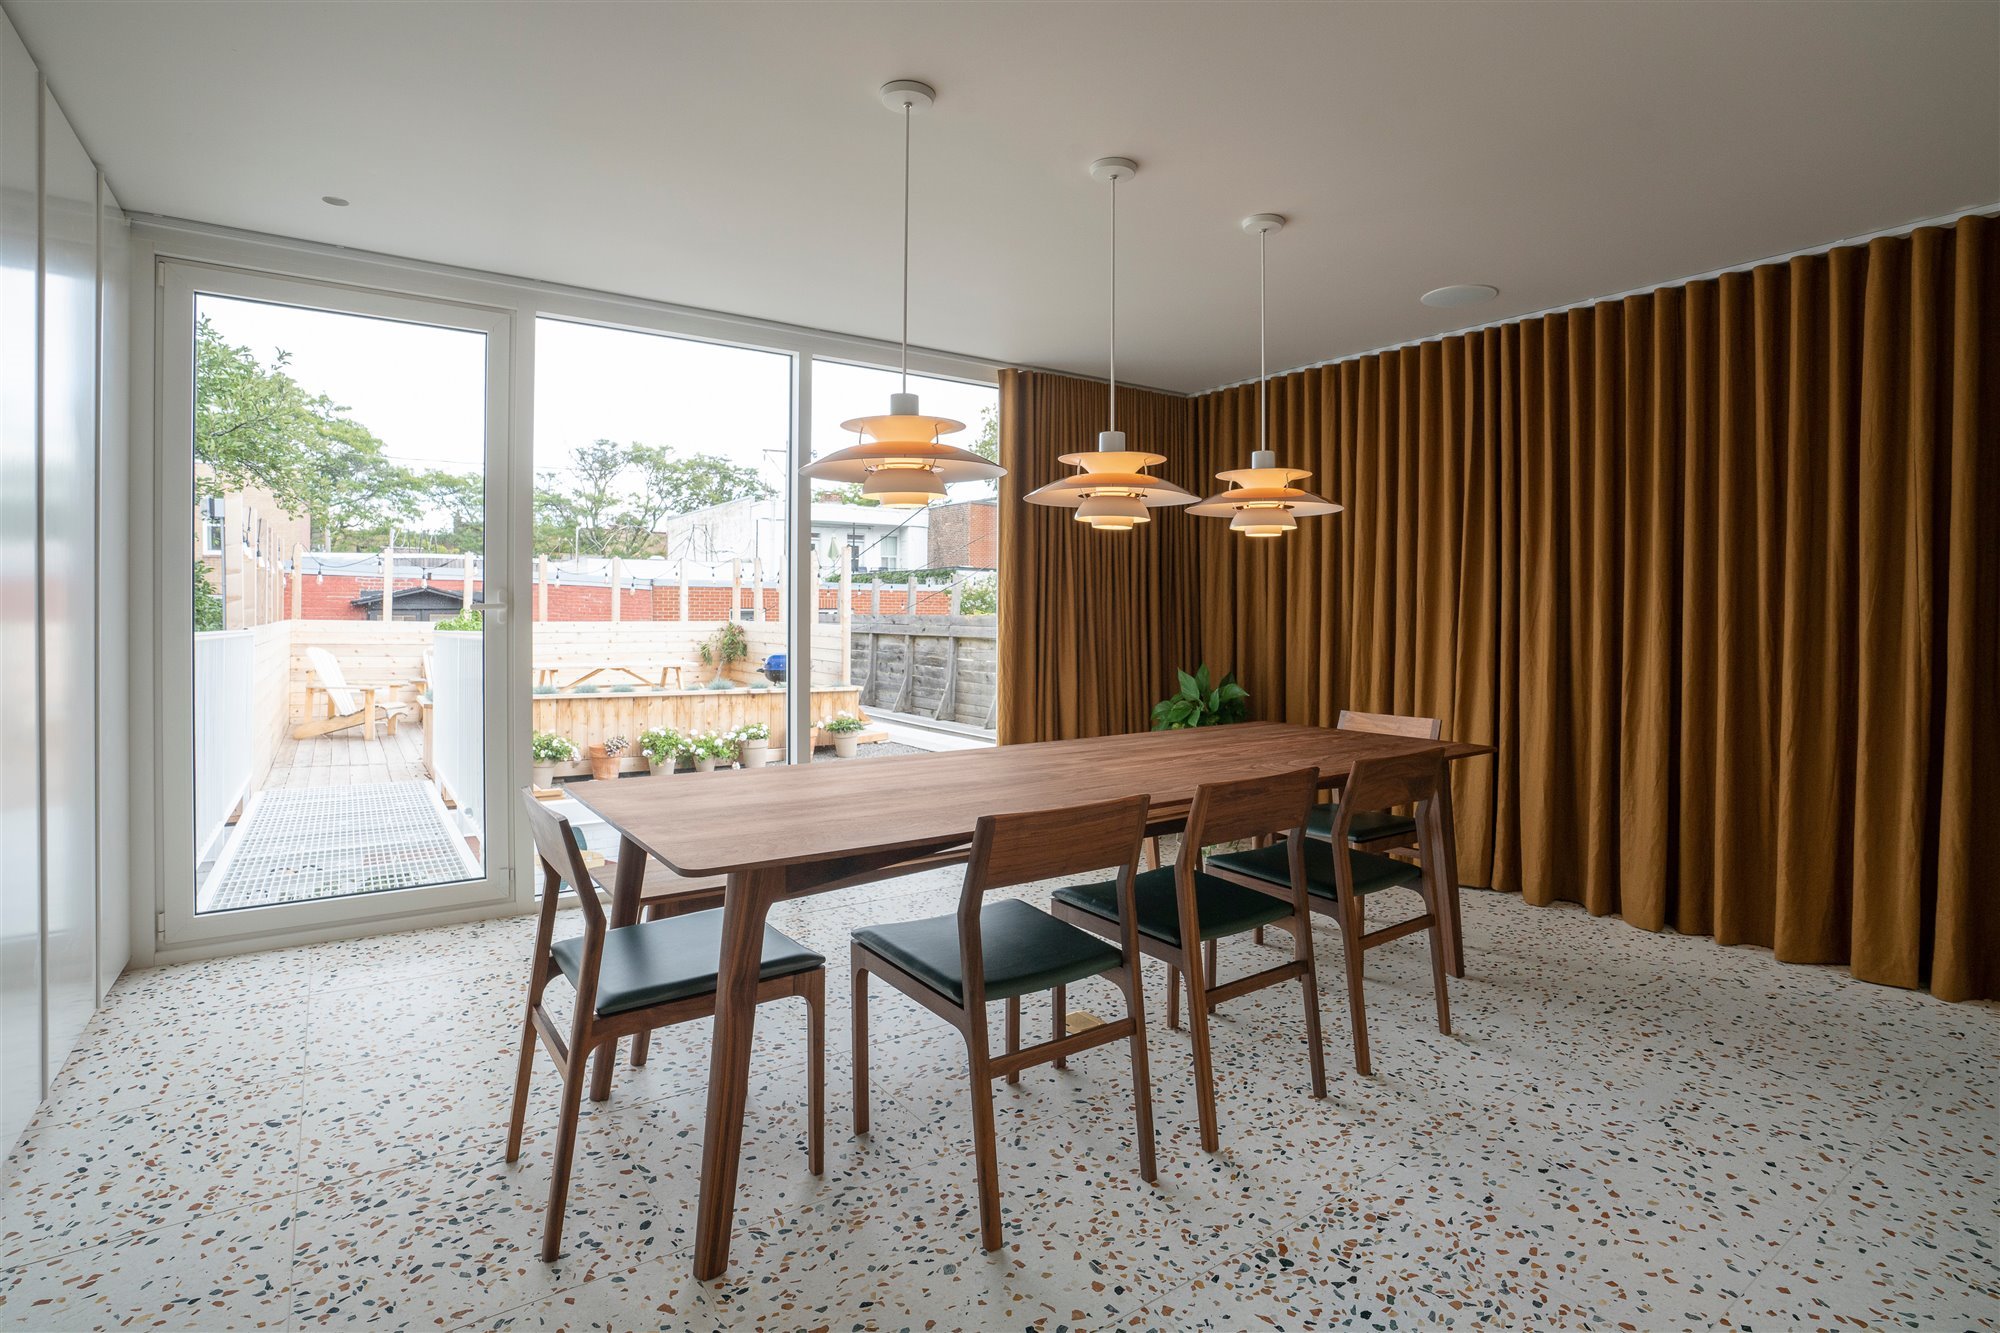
{"type": "Point", "coordinates": [657, 961]}
{"type": "Point", "coordinates": [1368, 825]}
{"type": "Point", "coordinates": [1221, 908]}
{"type": "Point", "coordinates": [1024, 950]}
{"type": "Point", "coordinates": [1372, 873]}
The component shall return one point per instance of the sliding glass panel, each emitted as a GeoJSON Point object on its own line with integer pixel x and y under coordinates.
{"type": "Point", "coordinates": [662, 480]}
{"type": "Point", "coordinates": [907, 598]}
{"type": "Point", "coordinates": [336, 519]}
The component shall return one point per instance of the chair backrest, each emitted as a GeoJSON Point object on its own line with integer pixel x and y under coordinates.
{"type": "Point", "coordinates": [1391, 724]}
{"type": "Point", "coordinates": [1272, 803]}
{"type": "Point", "coordinates": [562, 862]}
{"type": "Point", "coordinates": [1041, 844]}
{"type": "Point", "coordinates": [327, 668]}
{"type": "Point", "coordinates": [1384, 784]}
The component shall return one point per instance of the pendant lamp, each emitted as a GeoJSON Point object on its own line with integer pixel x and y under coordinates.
{"type": "Point", "coordinates": [899, 458]}
{"type": "Point", "coordinates": [1111, 491]}
{"type": "Point", "coordinates": [1261, 500]}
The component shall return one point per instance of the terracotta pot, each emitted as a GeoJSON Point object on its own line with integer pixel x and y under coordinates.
{"type": "Point", "coordinates": [844, 743]}
{"type": "Point", "coordinates": [603, 767]}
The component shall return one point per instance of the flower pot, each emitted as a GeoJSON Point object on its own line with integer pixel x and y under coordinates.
{"type": "Point", "coordinates": [603, 767]}
{"type": "Point", "coordinates": [662, 769]}
{"type": "Point", "coordinates": [844, 743]}
{"type": "Point", "coordinates": [756, 754]}
{"type": "Point", "coordinates": [545, 776]}
{"type": "Point", "coordinates": [704, 765]}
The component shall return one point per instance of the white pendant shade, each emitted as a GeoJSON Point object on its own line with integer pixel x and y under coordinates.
{"type": "Point", "coordinates": [900, 459]}
{"type": "Point", "coordinates": [1111, 490]}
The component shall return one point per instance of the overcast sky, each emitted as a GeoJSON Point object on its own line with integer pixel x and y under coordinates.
{"type": "Point", "coordinates": [420, 389]}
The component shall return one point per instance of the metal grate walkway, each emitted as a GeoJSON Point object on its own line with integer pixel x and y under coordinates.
{"type": "Point", "coordinates": [295, 844]}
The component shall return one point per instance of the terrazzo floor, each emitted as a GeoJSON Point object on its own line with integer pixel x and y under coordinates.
{"type": "Point", "coordinates": [1626, 1130]}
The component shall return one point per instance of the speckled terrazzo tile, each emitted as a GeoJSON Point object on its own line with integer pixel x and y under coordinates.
{"type": "Point", "coordinates": [165, 1049]}
{"type": "Point", "coordinates": [85, 1179]}
{"type": "Point", "coordinates": [218, 1270]}
{"type": "Point", "coordinates": [1375, 1272]}
{"type": "Point", "coordinates": [233, 983]}
{"type": "Point", "coordinates": [1896, 1248]}
{"type": "Point", "coordinates": [371, 1117]}
{"type": "Point", "coordinates": [467, 1017]}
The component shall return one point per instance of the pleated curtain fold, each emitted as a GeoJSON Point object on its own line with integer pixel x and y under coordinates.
{"type": "Point", "coordinates": [1716, 568]}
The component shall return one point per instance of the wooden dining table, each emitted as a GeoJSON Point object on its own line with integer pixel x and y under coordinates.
{"type": "Point", "coordinates": [784, 832]}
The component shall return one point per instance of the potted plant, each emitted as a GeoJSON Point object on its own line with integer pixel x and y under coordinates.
{"type": "Point", "coordinates": [845, 728]}
{"type": "Point", "coordinates": [662, 748]}
{"type": "Point", "coordinates": [707, 748]}
{"type": "Point", "coordinates": [1201, 704]}
{"type": "Point", "coordinates": [753, 744]}
{"type": "Point", "coordinates": [722, 650]}
{"type": "Point", "coordinates": [604, 758]}
{"type": "Point", "coordinates": [547, 751]}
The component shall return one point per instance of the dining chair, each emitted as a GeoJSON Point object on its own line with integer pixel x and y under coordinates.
{"type": "Point", "coordinates": [1180, 907]}
{"type": "Point", "coordinates": [1339, 876]}
{"type": "Point", "coordinates": [1001, 950]}
{"type": "Point", "coordinates": [1388, 830]}
{"type": "Point", "coordinates": [630, 979]}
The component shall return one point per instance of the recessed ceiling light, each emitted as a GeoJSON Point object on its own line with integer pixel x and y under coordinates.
{"type": "Point", "coordinates": [338, 202]}
{"type": "Point", "coordinates": [1464, 293]}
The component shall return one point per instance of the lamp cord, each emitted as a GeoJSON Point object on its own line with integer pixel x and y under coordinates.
{"type": "Point", "coordinates": [906, 247]}
{"type": "Point", "coordinates": [1114, 302]}
{"type": "Point", "coordinates": [1263, 381]}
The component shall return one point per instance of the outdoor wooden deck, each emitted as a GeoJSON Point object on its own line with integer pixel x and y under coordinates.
{"type": "Point", "coordinates": [349, 760]}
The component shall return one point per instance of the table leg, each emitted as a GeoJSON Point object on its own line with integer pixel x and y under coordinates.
{"type": "Point", "coordinates": [624, 911]}
{"type": "Point", "coordinates": [745, 904]}
{"type": "Point", "coordinates": [1447, 843]}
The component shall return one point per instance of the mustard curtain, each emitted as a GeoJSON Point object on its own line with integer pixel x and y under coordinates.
{"type": "Point", "coordinates": [1716, 568]}
{"type": "Point", "coordinates": [1081, 612]}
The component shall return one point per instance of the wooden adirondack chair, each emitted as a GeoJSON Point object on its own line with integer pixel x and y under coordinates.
{"type": "Point", "coordinates": [345, 706]}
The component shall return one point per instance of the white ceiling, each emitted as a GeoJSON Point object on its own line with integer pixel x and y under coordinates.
{"type": "Point", "coordinates": [735, 156]}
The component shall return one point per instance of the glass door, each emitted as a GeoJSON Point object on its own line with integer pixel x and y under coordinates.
{"type": "Point", "coordinates": [333, 652]}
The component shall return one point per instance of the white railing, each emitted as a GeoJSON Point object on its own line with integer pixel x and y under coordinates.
{"type": "Point", "coordinates": [224, 731]}
{"type": "Point", "coordinates": [458, 736]}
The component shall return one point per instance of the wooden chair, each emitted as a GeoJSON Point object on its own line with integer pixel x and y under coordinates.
{"type": "Point", "coordinates": [631, 979]}
{"type": "Point", "coordinates": [954, 965]}
{"type": "Point", "coordinates": [1390, 830]}
{"type": "Point", "coordinates": [343, 705]}
{"type": "Point", "coordinates": [1180, 906]}
{"type": "Point", "coordinates": [1338, 876]}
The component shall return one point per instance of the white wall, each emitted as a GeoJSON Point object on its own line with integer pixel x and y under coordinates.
{"type": "Point", "coordinates": [57, 954]}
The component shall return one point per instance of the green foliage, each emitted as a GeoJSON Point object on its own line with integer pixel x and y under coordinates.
{"type": "Point", "coordinates": [583, 689]}
{"type": "Point", "coordinates": [709, 745]}
{"type": "Point", "coordinates": [662, 746]}
{"type": "Point", "coordinates": [464, 620]}
{"type": "Point", "coordinates": [207, 602]}
{"type": "Point", "coordinates": [549, 748]}
{"type": "Point", "coordinates": [1200, 704]}
{"type": "Point", "coordinates": [726, 646]}
{"type": "Point", "coordinates": [841, 724]}
{"type": "Point", "coordinates": [614, 496]}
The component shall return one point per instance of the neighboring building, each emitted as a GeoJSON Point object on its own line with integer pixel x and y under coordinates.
{"type": "Point", "coordinates": [246, 541]}
{"type": "Point", "coordinates": [753, 531]}
{"type": "Point", "coordinates": [965, 535]}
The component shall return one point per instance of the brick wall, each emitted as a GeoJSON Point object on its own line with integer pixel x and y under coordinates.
{"type": "Point", "coordinates": [331, 597]}
{"type": "Point", "coordinates": [964, 536]}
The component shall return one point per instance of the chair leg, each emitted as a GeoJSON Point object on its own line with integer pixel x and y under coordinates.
{"type": "Point", "coordinates": [521, 1077]}
{"type": "Point", "coordinates": [986, 1152]}
{"type": "Point", "coordinates": [1208, 955]}
{"type": "Point", "coordinates": [572, 1105]}
{"type": "Point", "coordinates": [1134, 986]}
{"type": "Point", "coordinates": [1173, 997]}
{"type": "Point", "coordinates": [1439, 946]}
{"type": "Point", "coordinates": [1014, 1035]}
{"type": "Point", "coordinates": [1204, 1068]}
{"type": "Point", "coordinates": [1059, 1020]}
{"type": "Point", "coordinates": [1302, 950]}
{"type": "Point", "coordinates": [1153, 852]}
{"type": "Point", "coordinates": [860, 1039]}
{"type": "Point", "coordinates": [1257, 935]}
{"type": "Point", "coordinates": [1357, 1014]}
{"type": "Point", "coordinates": [815, 997]}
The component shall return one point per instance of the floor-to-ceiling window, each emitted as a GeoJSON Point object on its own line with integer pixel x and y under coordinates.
{"type": "Point", "coordinates": [662, 489]}
{"type": "Point", "coordinates": [908, 598]}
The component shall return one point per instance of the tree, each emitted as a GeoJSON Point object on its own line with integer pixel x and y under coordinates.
{"type": "Point", "coordinates": [987, 445]}
{"type": "Point", "coordinates": [614, 496]}
{"type": "Point", "coordinates": [207, 602]}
